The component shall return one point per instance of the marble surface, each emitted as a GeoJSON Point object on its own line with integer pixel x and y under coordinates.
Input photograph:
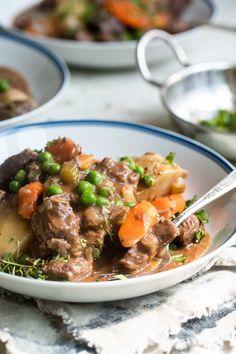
{"type": "Point", "coordinates": [123, 95]}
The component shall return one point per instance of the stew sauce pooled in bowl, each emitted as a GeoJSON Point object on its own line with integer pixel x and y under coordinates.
{"type": "Point", "coordinates": [66, 216]}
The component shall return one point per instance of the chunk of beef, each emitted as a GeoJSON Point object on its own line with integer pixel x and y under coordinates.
{"type": "Point", "coordinates": [109, 29]}
{"type": "Point", "coordinates": [59, 246]}
{"type": "Point", "coordinates": [94, 225]}
{"type": "Point", "coordinates": [73, 270]}
{"type": "Point", "coordinates": [13, 109]}
{"type": "Point", "coordinates": [34, 171]}
{"type": "Point", "coordinates": [55, 219]}
{"type": "Point", "coordinates": [14, 78]}
{"type": "Point", "coordinates": [118, 171]}
{"type": "Point", "coordinates": [166, 231]}
{"type": "Point", "coordinates": [94, 238]}
{"type": "Point", "coordinates": [93, 217]}
{"type": "Point", "coordinates": [138, 256]}
{"type": "Point", "coordinates": [134, 259]}
{"type": "Point", "coordinates": [11, 165]}
{"type": "Point", "coordinates": [187, 230]}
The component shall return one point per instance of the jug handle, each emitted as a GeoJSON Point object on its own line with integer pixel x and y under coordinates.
{"type": "Point", "coordinates": [142, 48]}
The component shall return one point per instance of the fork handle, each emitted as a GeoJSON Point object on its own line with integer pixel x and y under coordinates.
{"type": "Point", "coordinates": [223, 187]}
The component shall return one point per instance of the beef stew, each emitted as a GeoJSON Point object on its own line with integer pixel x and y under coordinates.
{"type": "Point", "coordinates": [84, 219]}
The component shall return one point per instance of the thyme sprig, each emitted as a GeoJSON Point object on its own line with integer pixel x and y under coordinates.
{"type": "Point", "coordinates": [24, 266]}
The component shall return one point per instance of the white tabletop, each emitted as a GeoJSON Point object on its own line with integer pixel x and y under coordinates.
{"type": "Point", "coordinates": [123, 95]}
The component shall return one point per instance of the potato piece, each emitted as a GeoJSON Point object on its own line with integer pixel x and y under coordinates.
{"type": "Point", "coordinates": [15, 232]}
{"type": "Point", "coordinates": [165, 175]}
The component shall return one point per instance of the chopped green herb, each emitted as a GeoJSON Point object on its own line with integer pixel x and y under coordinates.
{"type": "Point", "coordinates": [199, 235]}
{"type": "Point", "coordinates": [202, 217]}
{"type": "Point", "coordinates": [96, 253]}
{"type": "Point", "coordinates": [118, 277]}
{"type": "Point", "coordinates": [189, 202]}
{"type": "Point", "coordinates": [172, 246]}
{"type": "Point", "coordinates": [180, 258]}
{"type": "Point", "coordinates": [130, 204]}
{"type": "Point", "coordinates": [61, 258]}
{"type": "Point", "coordinates": [224, 120]}
{"type": "Point", "coordinates": [118, 202]}
{"type": "Point", "coordinates": [170, 158]}
{"type": "Point", "coordinates": [24, 266]}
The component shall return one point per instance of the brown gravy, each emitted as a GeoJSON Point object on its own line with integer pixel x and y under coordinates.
{"type": "Point", "coordinates": [103, 269]}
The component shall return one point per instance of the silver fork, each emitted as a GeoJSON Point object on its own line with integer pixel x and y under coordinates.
{"type": "Point", "coordinates": [224, 186]}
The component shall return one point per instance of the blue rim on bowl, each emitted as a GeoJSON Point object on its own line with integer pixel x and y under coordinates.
{"type": "Point", "coordinates": [57, 61]}
{"type": "Point", "coordinates": [195, 145]}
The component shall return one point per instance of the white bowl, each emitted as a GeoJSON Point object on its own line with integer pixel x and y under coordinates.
{"type": "Point", "coordinates": [46, 73]}
{"type": "Point", "coordinates": [103, 54]}
{"type": "Point", "coordinates": [107, 138]}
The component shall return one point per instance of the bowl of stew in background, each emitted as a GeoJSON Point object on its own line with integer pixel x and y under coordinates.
{"type": "Point", "coordinates": [32, 78]}
{"type": "Point", "coordinates": [114, 140]}
{"type": "Point", "coordinates": [100, 34]}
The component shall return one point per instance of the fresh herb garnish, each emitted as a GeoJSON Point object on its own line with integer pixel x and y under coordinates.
{"type": "Point", "coordinates": [118, 277]}
{"type": "Point", "coordinates": [189, 202]}
{"type": "Point", "coordinates": [223, 120]}
{"type": "Point", "coordinates": [199, 235]}
{"type": "Point", "coordinates": [202, 217]}
{"type": "Point", "coordinates": [180, 258]}
{"type": "Point", "coordinates": [96, 253]}
{"type": "Point", "coordinates": [172, 246]}
{"type": "Point", "coordinates": [170, 158]}
{"type": "Point", "coordinates": [24, 266]}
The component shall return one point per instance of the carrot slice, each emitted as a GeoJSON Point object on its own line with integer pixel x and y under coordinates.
{"type": "Point", "coordinates": [28, 196]}
{"type": "Point", "coordinates": [170, 205]}
{"type": "Point", "coordinates": [129, 13]}
{"type": "Point", "coordinates": [85, 161]}
{"type": "Point", "coordinates": [62, 149]}
{"type": "Point", "coordinates": [137, 223]}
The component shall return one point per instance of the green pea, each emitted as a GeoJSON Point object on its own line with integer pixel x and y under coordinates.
{"type": "Point", "coordinates": [130, 204]}
{"type": "Point", "coordinates": [94, 177]}
{"type": "Point", "coordinates": [45, 156]}
{"type": "Point", "coordinates": [147, 181]}
{"type": "Point", "coordinates": [118, 202]}
{"type": "Point", "coordinates": [104, 192]}
{"type": "Point", "coordinates": [130, 161]}
{"type": "Point", "coordinates": [4, 85]}
{"type": "Point", "coordinates": [21, 176]}
{"type": "Point", "coordinates": [54, 169]}
{"type": "Point", "coordinates": [14, 186]}
{"type": "Point", "coordinates": [88, 198]}
{"type": "Point", "coordinates": [139, 169]}
{"type": "Point", "coordinates": [46, 165]}
{"type": "Point", "coordinates": [101, 201]}
{"type": "Point", "coordinates": [84, 186]}
{"type": "Point", "coordinates": [53, 190]}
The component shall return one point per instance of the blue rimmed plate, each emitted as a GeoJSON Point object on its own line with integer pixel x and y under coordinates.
{"type": "Point", "coordinates": [108, 138]}
{"type": "Point", "coordinates": [46, 73]}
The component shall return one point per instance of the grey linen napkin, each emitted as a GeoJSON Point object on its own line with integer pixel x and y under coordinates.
{"type": "Point", "coordinates": [197, 316]}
